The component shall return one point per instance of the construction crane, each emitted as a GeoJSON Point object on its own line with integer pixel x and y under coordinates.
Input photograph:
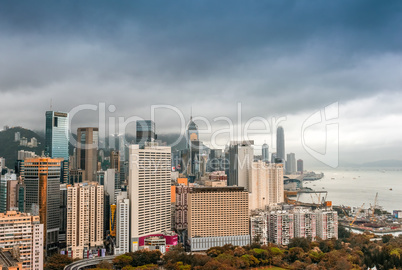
{"type": "Point", "coordinates": [358, 212]}
{"type": "Point", "coordinates": [373, 207]}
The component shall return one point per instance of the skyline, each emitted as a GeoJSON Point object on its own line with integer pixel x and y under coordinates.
{"type": "Point", "coordinates": [278, 59]}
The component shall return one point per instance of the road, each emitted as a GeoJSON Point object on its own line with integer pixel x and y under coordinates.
{"type": "Point", "coordinates": [88, 262]}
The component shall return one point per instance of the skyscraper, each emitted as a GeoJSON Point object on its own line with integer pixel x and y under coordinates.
{"type": "Point", "coordinates": [280, 143]}
{"type": "Point", "coordinates": [42, 181]}
{"type": "Point", "coordinates": [87, 152]}
{"type": "Point", "coordinates": [149, 192]}
{"type": "Point", "coordinates": [57, 134]}
{"type": "Point", "coordinates": [84, 218]}
{"type": "Point", "coordinates": [300, 167]}
{"type": "Point", "coordinates": [265, 152]}
{"type": "Point", "coordinates": [291, 163]}
{"type": "Point", "coordinates": [145, 132]}
{"type": "Point", "coordinates": [192, 132]}
{"type": "Point", "coordinates": [266, 185]}
{"type": "Point", "coordinates": [57, 140]}
{"type": "Point", "coordinates": [241, 157]}
{"type": "Point", "coordinates": [122, 224]}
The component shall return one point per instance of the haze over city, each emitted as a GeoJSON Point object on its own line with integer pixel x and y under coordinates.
{"type": "Point", "coordinates": [283, 58]}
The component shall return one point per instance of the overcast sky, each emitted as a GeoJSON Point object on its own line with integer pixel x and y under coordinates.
{"type": "Point", "coordinates": [277, 58]}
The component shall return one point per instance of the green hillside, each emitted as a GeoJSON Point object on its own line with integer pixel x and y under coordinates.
{"type": "Point", "coordinates": [9, 148]}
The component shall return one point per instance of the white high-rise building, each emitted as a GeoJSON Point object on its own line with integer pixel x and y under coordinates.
{"type": "Point", "coordinates": [85, 204]}
{"type": "Point", "coordinates": [149, 191]}
{"type": "Point", "coordinates": [266, 185]}
{"type": "Point", "coordinates": [327, 224]}
{"type": "Point", "coordinates": [123, 223]}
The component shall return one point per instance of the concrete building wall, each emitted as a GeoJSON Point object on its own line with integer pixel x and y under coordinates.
{"type": "Point", "coordinates": [85, 204]}
{"type": "Point", "coordinates": [26, 232]}
{"type": "Point", "coordinates": [149, 191]}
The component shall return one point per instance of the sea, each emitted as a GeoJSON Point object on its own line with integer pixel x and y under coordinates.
{"type": "Point", "coordinates": [355, 186]}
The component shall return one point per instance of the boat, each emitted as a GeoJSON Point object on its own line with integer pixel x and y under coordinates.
{"type": "Point", "coordinates": [333, 178]}
{"type": "Point", "coordinates": [390, 189]}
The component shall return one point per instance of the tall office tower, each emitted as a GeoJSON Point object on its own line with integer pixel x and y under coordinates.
{"type": "Point", "coordinates": [57, 139]}
{"type": "Point", "coordinates": [84, 218]}
{"type": "Point", "coordinates": [87, 152]}
{"type": "Point", "coordinates": [218, 216]}
{"type": "Point", "coordinates": [42, 181]}
{"type": "Point", "coordinates": [149, 191]}
{"type": "Point", "coordinates": [280, 143]}
{"type": "Point", "coordinates": [265, 152]}
{"type": "Point", "coordinates": [63, 215]}
{"type": "Point", "coordinates": [327, 224]}
{"type": "Point", "coordinates": [57, 124]}
{"type": "Point", "coordinates": [266, 185]}
{"type": "Point", "coordinates": [215, 160]}
{"type": "Point", "coordinates": [305, 223]}
{"type": "Point", "coordinates": [192, 132]}
{"type": "Point", "coordinates": [280, 227]}
{"type": "Point", "coordinates": [241, 157]}
{"type": "Point", "coordinates": [300, 167]}
{"type": "Point", "coordinates": [25, 232]}
{"type": "Point", "coordinates": [259, 228]}
{"type": "Point", "coordinates": [111, 184]}
{"type": "Point", "coordinates": [115, 160]}
{"type": "Point", "coordinates": [122, 224]}
{"type": "Point", "coordinates": [291, 163]}
{"type": "Point", "coordinates": [145, 132]}
{"type": "Point", "coordinates": [3, 189]}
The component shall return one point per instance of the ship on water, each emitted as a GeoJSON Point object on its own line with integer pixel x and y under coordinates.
{"type": "Point", "coordinates": [312, 176]}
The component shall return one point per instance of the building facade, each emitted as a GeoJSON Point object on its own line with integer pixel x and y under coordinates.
{"type": "Point", "coordinates": [280, 227]}
{"type": "Point", "coordinates": [145, 132]}
{"type": "Point", "coordinates": [291, 163]}
{"type": "Point", "coordinates": [25, 232]}
{"type": "Point", "coordinates": [42, 181]}
{"type": "Point", "coordinates": [266, 185]}
{"type": "Point", "coordinates": [280, 144]}
{"type": "Point", "coordinates": [122, 225]}
{"type": "Point", "coordinates": [241, 157]}
{"type": "Point", "coordinates": [84, 218]}
{"type": "Point", "coordinates": [149, 191]}
{"type": "Point", "coordinates": [327, 224]}
{"type": "Point", "coordinates": [305, 223]}
{"type": "Point", "coordinates": [218, 216]}
{"type": "Point", "coordinates": [87, 152]}
{"type": "Point", "coordinates": [265, 152]}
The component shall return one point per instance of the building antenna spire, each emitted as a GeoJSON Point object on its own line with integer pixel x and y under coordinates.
{"type": "Point", "coordinates": [51, 104]}
{"type": "Point", "coordinates": [191, 112]}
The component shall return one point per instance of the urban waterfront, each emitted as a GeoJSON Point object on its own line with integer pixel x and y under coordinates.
{"type": "Point", "coordinates": [355, 186]}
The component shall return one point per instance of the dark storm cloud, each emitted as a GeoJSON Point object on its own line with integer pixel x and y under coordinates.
{"type": "Point", "coordinates": [276, 57]}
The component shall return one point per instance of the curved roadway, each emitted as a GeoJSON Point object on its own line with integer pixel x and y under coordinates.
{"type": "Point", "coordinates": [88, 262]}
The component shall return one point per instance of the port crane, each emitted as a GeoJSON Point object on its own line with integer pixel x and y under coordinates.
{"type": "Point", "coordinates": [358, 212]}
